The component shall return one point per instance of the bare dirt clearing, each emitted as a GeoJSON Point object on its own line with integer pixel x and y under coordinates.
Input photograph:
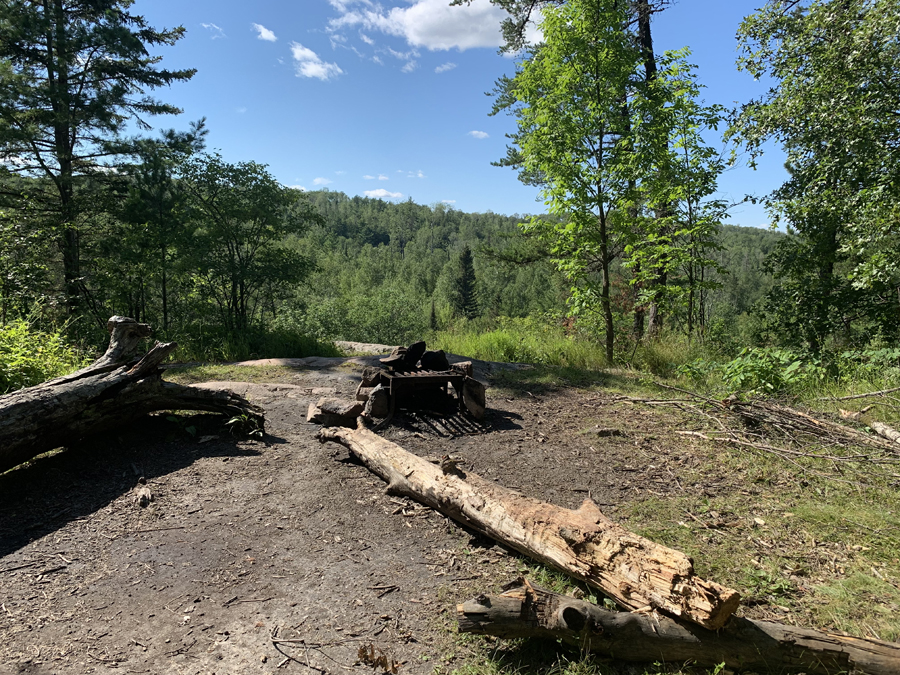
{"type": "Point", "coordinates": [285, 555]}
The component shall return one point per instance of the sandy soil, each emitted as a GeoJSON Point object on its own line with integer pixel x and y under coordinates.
{"type": "Point", "coordinates": [284, 555]}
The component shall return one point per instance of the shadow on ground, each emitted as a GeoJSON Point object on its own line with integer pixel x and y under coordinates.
{"type": "Point", "coordinates": [43, 495]}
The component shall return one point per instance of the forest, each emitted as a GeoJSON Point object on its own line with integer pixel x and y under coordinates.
{"type": "Point", "coordinates": [633, 263]}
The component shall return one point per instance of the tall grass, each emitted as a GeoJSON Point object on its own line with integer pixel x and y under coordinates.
{"type": "Point", "coordinates": [521, 341]}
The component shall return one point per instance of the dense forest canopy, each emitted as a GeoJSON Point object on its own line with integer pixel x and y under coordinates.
{"type": "Point", "coordinates": [634, 243]}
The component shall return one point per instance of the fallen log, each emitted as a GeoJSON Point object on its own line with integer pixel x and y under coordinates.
{"type": "Point", "coordinates": [525, 610]}
{"type": "Point", "coordinates": [114, 391]}
{"type": "Point", "coordinates": [635, 571]}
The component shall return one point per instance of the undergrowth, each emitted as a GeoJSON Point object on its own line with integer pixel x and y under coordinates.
{"type": "Point", "coordinates": [29, 356]}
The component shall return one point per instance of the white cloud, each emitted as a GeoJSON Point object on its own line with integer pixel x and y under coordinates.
{"type": "Point", "coordinates": [409, 67]}
{"type": "Point", "coordinates": [367, 177]}
{"type": "Point", "coordinates": [263, 33]}
{"type": "Point", "coordinates": [343, 5]}
{"type": "Point", "coordinates": [321, 181]}
{"type": "Point", "coordinates": [365, 38]}
{"type": "Point", "coordinates": [381, 193]}
{"type": "Point", "coordinates": [444, 67]}
{"type": "Point", "coordinates": [432, 24]}
{"type": "Point", "coordinates": [415, 174]}
{"type": "Point", "coordinates": [215, 30]}
{"type": "Point", "coordinates": [381, 176]}
{"type": "Point", "coordinates": [478, 134]}
{"type": "Point", "coordinates": [241, 110]}
{"type": "Point", "coordinates": [448, 201]}
{"type": "Point", "coordinates": [308, 63]}
{"type": "Point", "coordinates": [297, 187]}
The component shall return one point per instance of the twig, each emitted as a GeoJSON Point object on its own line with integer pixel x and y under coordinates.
{"type": "Point", "coordinates": [712, 402]}
{"type": "Point", "coordinates": [855, 396]}
{"type": "Point", "coordinates": [153, 529]}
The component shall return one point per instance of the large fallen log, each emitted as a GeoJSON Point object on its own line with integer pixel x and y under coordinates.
{"type": "Point", "coordinates": [635, 571]}
{"type": "Point", "coordinates": [114, 391]}
{"type": "Point", "coordinates": [525, 610]}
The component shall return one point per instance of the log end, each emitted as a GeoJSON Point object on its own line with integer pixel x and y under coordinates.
{"type": "Point", "coordinates": [726, 601]}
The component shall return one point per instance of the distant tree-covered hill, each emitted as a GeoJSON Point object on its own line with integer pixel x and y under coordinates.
{"type": "Point", "coordinates": [389, 271]}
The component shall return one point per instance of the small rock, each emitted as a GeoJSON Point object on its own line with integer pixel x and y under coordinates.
{"type": "Point", "coordinates": [143, 496]}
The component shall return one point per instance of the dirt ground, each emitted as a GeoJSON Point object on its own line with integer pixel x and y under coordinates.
{"type": "Point", "coordinates": [281, 554]}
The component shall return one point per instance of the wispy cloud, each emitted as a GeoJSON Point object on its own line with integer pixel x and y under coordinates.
{"type": "Point", "coordinates": [263, 33]}
{"type": "Point", "coordinates": [381, 176]}
{"type": "Point", "coordinates": [409, 67]}
{"type": "Point", "coordinates": [297, 187]}
{"type": "Point", "coordinates": [432, 24]}
{"type": "Point", "coordinates": [381, 193]}
{"type": "Point", "coordinates": [445, 67]}
{"type": "Point", "coordinates": [215, 30]}
{"type": "Point", "coordinates": [322, 181]}
{"type": "Point", "coordinates": [241, 110]}
{"type": "Point", "coordinates": [416, 174]}
{"type": "Point", "coordinates": [308, 64]}
{"type": "Point", "coordinates": [448, 201]}
{"type": "Point", "coordinates": [365, 38]}
{"type": "Point", "coordinates": [478, 134]}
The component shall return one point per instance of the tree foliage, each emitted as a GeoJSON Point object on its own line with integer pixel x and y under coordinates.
{"type": "Point", "coordinates": [241, 214]}
{"type": "Point", "coordinates": [835, 110]}
{"type": "Point", "coordinates": [72, 73]}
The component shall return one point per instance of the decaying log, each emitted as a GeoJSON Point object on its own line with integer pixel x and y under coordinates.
{"type": "Point", "coordinates": [525, 610]}
{"type": "Point", "coordinates": [112, 392]}
{"type": "Point", "coordinates": [634, 571]}
{"type": "Point", "coordinates": [885, 431]}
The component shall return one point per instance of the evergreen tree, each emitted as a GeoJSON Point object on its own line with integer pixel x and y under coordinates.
{"type": "Point", "coordinates": [72, 73]}
{"type": "Point", "coordinates": [465, 295]}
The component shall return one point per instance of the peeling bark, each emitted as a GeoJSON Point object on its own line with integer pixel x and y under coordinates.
{"type": "Point", "coordinates": [584, 543]}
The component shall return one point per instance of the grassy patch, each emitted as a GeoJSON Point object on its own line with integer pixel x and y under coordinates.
{"type": "Point", "coordinates": [223, 372]}
{"type": "Point", "coordinates": [802, 549]}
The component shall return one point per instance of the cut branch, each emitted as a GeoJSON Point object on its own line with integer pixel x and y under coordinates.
{"type": "Point", "coordinates": [525, 610]}
{"type": "Point", "coordinates": [635, 571]}
{"type": "Point", "coordinates": [114, 391]}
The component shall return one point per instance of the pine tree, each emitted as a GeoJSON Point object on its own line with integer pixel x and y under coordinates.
{"type": "Point", "coordinates": [72, 74]}
{"type": "Point", "coordinates": [466, 300]}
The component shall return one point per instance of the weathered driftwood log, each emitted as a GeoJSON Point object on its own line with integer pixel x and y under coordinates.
{"type": "Point", "coordinates": [525, 610]}
{"type": "Point", "coordinates": [634, 571]}
{"type": "Point", "coordinates": [112, 392]}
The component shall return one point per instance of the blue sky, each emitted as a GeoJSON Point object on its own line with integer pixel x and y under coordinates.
{"type": "Point", "coordinates": [387, 97]}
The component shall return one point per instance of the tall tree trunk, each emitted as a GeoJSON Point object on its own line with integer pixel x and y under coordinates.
{"type": "Point", "coordinates": [605, 301]}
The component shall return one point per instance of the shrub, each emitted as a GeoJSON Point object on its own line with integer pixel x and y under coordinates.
{"type": "Point", "coordinates": [29, 356]}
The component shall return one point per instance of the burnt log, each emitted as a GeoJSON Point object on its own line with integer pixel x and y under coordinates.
{"type": "Point", "coordinates": [527, 611]}
{"type": "Point", "coordinates": [584, 543]}
{"type": "Point", "coordinates": [114, 391]}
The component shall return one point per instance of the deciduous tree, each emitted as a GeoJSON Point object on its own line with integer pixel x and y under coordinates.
{"type": "Point", "coordinates": [242, 215]}
{"type": "Point", "coordinates": [835, 110]}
